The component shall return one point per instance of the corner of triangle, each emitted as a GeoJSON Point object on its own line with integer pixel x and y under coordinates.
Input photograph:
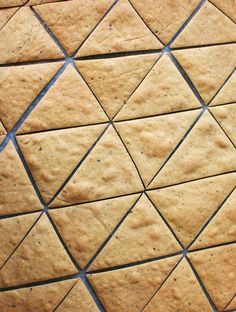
{"type": "Point", "coordinates": [29, 40]}
{"type": "Point", "coordinates": [142, 235]}
{"type": "Point", "coordinates": [121, 30]}
{"type": "Point", "coordinates": [32, 254]}
{"type": "Point", "coordinates": [16, 191]}
{"type": "Point", "coordinates": [6, 15]}
{"type": "Point", "coordinates": [206, 151]}
{"type": "Point", "coordinates": [2, 132]}
{"type": "Point", "coordinates": [107, 172]}
{"type": "Point", "coordinates": [113, 80]}
{"type": "Point", "coordinates": [163, 90]}
{"type": "Point", "coordinates": [52, 156]}
{"type": "Point", "coordinates": [208, 26]}
{"type": "Point", "coordinates": [68, 103]}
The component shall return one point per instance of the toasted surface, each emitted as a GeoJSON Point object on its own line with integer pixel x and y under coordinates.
{"type": "Point", "coordinates": [226, 116]}
{"type": "Point", "coordinates": [35, 262]}
{"type": "Point", "coordinates": [163, 90]}
{"type": "Point", "coordinates": [142, 235]}
{"type": "Point", "coordinates": [19, 86]}
{"type": "Point", "coordinates": [227, 92]}
{"type": "Point", "coordinates": [68, 103]}
{"type": "Point", "coordinates": [16, 191]}
{"type": "Point", "coordinates": [85, 227]}
{"type": "Point", "coordinates": [72, 21]}
{"type": "Point", "coordinates": [52, 156]}
{"type": "Point", "coordinates": [213, 265]}
{"type": "Point", "coordinates": [107, 172]}
{"type": "Point", "coordinates": [129, 289]}
{"type": "Point", "coordinates": [205, 152]}
{"type": "Point", "coordinates": [78, 299]}
{"type": "Point", "coordinates": [151, 140]}
{"type": "Point", "coordinates": [208, 26]}
{"type": "Point", "coordinates": [24, 29]}
{"type": "Point", "coordinates": [222, 228]}
{"type": "Point", "coordinates": [33, 298]}
{"type": "Point", "coordinates": [184, 207]}
{"type": "Point", "coordinates": [121, 30]}
{"type": "Point", "coordinates": [180, 292]}
{"type": "Point", "coordinates": [208, 67]}
{"type": "Point", "coordinates": [113, 80]}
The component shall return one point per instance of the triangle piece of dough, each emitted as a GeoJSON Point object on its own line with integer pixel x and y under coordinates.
{"type": "Point", "coordinates": [68, 103]}
{"type": "Point", "coordinates": [227, 93]}
{"type": "Point", "coordinates": [107, 172]}
{"type": "Point", "coordinates": [43, 298]}
{"type": "Point", "coordinates": [129, 289]}
{"type": "Point", "coordinates": [52, 156]}
{"type": "Point", "coordinates": [228, 7]}
{"type": "Point", "coordinates": [16, 191]}
{"type": "Point", "coordinates": [163, 90]}
{"type": "Point", "coordinates": [222, 228]}
{"type": "Point", "coordinates": [5, 16]}
{"type": "Point", "coordinates": [213, 266]}
{"type": "Point", "coordinates": [78, 299]}
{"type": "Point", "coordinates": [208, 67]}
{"type": "Point", "coordinates": [165, 17]}
{"type": "Point", "coordinates": [205, 152]}
{"type": "Point", "coordinates": [180, 292]}
{"type": "Point", "coordinates": [2, 132]}
{"type": "Point", "coordinates": [19, 86]}
{"type": "Point", "coordinates": [151, 140]}
{"type": "Point", "coordinates": [184, 207]}
{"type": "Point", "coordinates": [35, 261]}
{"type": "Point", "coordinates": [232, 305]}
{"type": "Point", "coordinates": [85, 227]}
{"type": "Point", "coordinates": [142, 235]}
{"type": "Point", "coordinates": [113, 80]}
{"type": "Point", "coordinates": [226, 116]}
{"type": "Point", "coordinates": [12, 231]}
{"type": "Point", "coordinates": [121, 30]}
{"type": "Point", "coordinates": [29, 40]}
{"type": "Point", "coordinates": [72, 21]}
{"type": "Point", "coordinates": [208, 26]}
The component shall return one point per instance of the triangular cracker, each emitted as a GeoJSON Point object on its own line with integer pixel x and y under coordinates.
{"type": "Point", "coordinates": [227, 93]}
{"type": "Point", "coordinates": [208, 67]}
{"type": "Point", "coordinates": [165, 17]}
{"type": "Point", "coordinates": [222, 228]}
{"type": "Point", "coordinates": [72, 21]}
{"type": "Point", "coordinates": [180, 292]}
{"type": "Point", "coordinates": [129, 289]}
{"type": "Point", "coordinates": [208, 26]}
{"type": "Point", "coordinates": [226, 116]}
{"type": "Point", "coordinates": [68, 103]}
{"type": "Point", "coordinates": [121, 30]}
{"type": "Point", "coordinates": [184, 207]}
{"type": "Point", "coordinates": [151, 140]}
{"type": "Point", "coordinates": [11, 3]}
{"type": "Point", "coordinates": [107, 172]}
{"type": "Point", "coordinates": [16, 191]}
{"type": "Point", "coordinates": [78, 299]}
{"type": "Point", "coordinates": [226, 6]}
{"type": "Point", "coordinates": [113, 80]}
{"type": "Point", "coordinates": [163, 90]}
{"type": "Point", "coordinates": [29, 40]}
{"type": "Point", "coordinates": [33, 262]}
{"type": "Point", "coordinates": [19, 86]}
{"type": "Point", "coordinates": [205, 152]}
{"type": "Point", "coordinates": [216, 268]}
{"type": "Point", "coordinates": [142, 235]}
{"type": "Point", "coordinates": [2, 132]}
{"type": "Point", "coordinates": [52, 156]}
{"type": "Point", "coordinates": [5, 15]}
{"type": "Point", "coordinates": [85, 227]}
{"type": "Point", "coordinates": [232, 305]}
{"type": "Point", "coordinates": [12, 231]}
{"type": "Point", "coordinates": [43, 298]}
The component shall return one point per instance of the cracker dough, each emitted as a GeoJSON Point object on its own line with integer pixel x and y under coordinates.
{"type": "Point", "coordinates": [6, 15]}
{"type": "Point", "coordinates": [227, 93]}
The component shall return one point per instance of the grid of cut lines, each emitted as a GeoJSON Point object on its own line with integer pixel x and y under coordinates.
{"type": "Point", "coordinates": [11, 137]}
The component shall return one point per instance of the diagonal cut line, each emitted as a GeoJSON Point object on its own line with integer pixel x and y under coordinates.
{"type": "Point", "coordinates": [212, 247]}
{"type": "Point", "coordinates": [222, 11]}
{"type": "Point", "coordinates": [9, 18]}
{"type": "Point", "coordinates": [64, 298]}
{"type": "Point", "coordinates": [203, 46]}
{"type": "Point", "coordinates": [229, 303]}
